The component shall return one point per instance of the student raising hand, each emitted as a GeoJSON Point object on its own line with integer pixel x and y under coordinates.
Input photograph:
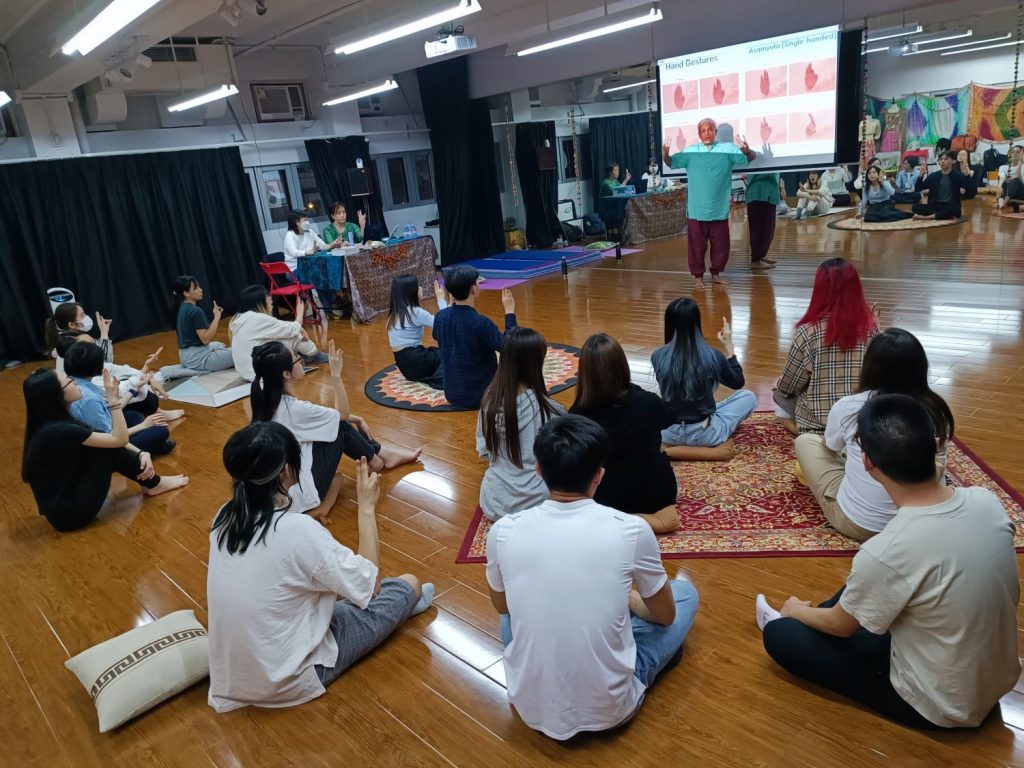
{"type": "Point", "coordinates": [725, 337]}
{"type": "Point", "coordinates": [335, 358]}
{"type": "Point", "coordinates": [508, 301]}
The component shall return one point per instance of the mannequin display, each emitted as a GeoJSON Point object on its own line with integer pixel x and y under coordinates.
{"type": "Point", "coordinates": [895, 129]}
{"type": "Point", "coordinates": [868, 133]}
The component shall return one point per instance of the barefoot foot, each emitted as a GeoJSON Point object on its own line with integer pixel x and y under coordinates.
{"type": "Point", "coordinates": [393, 457]}
{"type": "Point", "coordinates": [167, 483]}
{"type": "Point", "coordinates": [172, 415]}
{"type": "Point", "coordinates": [719, 280]}
{"type": "Point", "coordinates": [698, 284]}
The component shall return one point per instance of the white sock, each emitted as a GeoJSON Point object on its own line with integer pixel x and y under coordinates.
{"type": "Point", "coordinates": [426, 599]}
{"type": "Point", "coordinates": [763, 613]}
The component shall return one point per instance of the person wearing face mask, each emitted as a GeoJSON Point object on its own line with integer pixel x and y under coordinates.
{"type": "Point", "coordinates": [300, 241]}
{"type": "Point", "coordinates": [71, 318]}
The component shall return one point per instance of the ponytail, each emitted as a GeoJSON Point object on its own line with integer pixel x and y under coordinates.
{"type": "Point", "coordinates": [257, 458]}
{"type": "Point", "coordinates": [63, 316]}
{"type": "Point", "coordinates": [270, 361]}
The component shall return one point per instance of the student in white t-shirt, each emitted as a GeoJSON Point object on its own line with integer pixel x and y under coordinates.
{"type": "Point", "coordinates": [581, 646]}
{"type": "Point", "coordinates": [925, 630]}
{"type": "Point", "coordinates": [855, 503]}
{"type": "Point", "coordinates": [290, 608]}
{"type": "Point", "coordinates": [324, 434]}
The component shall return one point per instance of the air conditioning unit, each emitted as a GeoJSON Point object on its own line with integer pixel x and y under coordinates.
{"type": "Point", "coordinates": [279, 102]}
{"type": "Point", "coordinates": [370, 106]}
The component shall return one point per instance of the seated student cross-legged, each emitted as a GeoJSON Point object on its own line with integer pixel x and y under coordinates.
{"type": "Point", "coordinates": [689, 371]}
{"type": "Point", "coordinates": [68, 465]}
{"type": "Point", "coordinates": [854, 502]}
{"type": "Point", "coordinates": [197, 349]}
{"type": "Point", "coordinates": [515, 406]}
{"type": "Point", "coordinates": [290, 608]}
{"type": "Point", "coordinates": [581, 646]}
{"type": "Point", "coordinates": [83, 361]}
{"type": "Point", "coordinates": [925, 630]}
{"type": "Point", "coordinates": [638, 476]}
{"type": "Point", "coordinates": [406, 321]}
{"type": "Point", "coordinates": [254, 324]}
{"type": "Point", "coordinates": [323, 433]}
{"type": "Point", "coordinates": [468, 340]}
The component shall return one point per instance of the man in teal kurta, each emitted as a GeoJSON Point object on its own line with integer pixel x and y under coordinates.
{"type": "Point", "coordinates": [709, 167]}
{"type": "Point", "coordinates": [763, 196]}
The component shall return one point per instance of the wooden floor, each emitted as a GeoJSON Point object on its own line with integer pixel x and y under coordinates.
{"type": "Point", "coordinates": [434, 695]}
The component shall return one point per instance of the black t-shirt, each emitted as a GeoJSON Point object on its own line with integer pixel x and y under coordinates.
{"type": "Point", "coordinates": [69, 480]}
{"type": "Point", "coordinates": [945, 195]}
{"type": "Point", "coordinates": [190, 319]}
{"type": "Point", "coordinates": [638, 477]}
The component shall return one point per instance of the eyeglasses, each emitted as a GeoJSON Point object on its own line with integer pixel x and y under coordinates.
{"type": "Point", "coordinates": [67, 384]}
{"type": "Point", "coordinates": [296, 360]}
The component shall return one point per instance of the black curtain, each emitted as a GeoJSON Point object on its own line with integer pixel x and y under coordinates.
{"type": "Point", "coordinates": [331, 160]}
{"type": "Point", "coordinates": [116, 231]}
{"type": "Point", "coordinates": [539, 188]}
{"type": "Point", "coordinates": [466, 179]}
{"type": "Point", "coordinates": [623, 139]}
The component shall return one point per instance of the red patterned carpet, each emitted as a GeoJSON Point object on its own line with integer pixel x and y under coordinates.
{"type": "Point", "coordinates": [754, 506]}
{"type": "Point", "coordinates": [391, 389]}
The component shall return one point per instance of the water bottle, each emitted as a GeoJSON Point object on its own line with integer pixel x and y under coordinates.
{"type": "Point", "coordinates": [618, 253]}
{"type": "Point", "coordinates": [565, 268]}
{"type": "Point", "coordinates": [351, 237]}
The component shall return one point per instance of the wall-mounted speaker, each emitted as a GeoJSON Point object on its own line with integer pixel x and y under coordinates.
{"type": "Point", "coordinates": [545, 158]}
{"type": "Point", "coordinates": [359, 182]}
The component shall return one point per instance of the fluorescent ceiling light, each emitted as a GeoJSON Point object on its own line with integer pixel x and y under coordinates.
{"type": "Point", "coordinates": [204, 98]}
{"type": "Point", "coordinates": [460, 9]}
{"type": "Point", "coordinates": [653, 15]}
{"type": "Point", "coordinates": [112, 19]}
{"type": "Point", "coordinates": [630, 85]}
{"type": "Point", "coordinates": [891, 32]}
{"type": "Point", "coordinates": [943, 38]}
{"type": "Point", "coordinates": [961, 45]}
{"type": "Point", "coordinates": [4, 98]}
{"type": "Point", "coordinates": [982, 48]}
{"type": "Point", "coordinates": [387, 85]}
{"type": "Point", "coordinates": [877, 50]}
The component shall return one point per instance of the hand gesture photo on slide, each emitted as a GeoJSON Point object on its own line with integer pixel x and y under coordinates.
{"type": "Point", "coordinates": [718, 92]}
{"type": "Point", "coordinates": [766, 83]}
{"type": "Point", "coordinates": [766, 131]}
{"type": "Point", "coordinates": [812, 127]}
{"type": "Point", "coordinates": [810, 77]}
{"type": "Point", "coordinates": [678, 97]}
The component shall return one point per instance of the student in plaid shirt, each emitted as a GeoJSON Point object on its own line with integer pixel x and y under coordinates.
{"type": "Point", "coordinates": [824, 359]}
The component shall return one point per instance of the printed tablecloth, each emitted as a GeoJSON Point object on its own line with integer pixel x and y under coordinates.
{"type": "Point", "coordinates": [370, 271]}
{"type": "Point", "coordinates": [655, 215]}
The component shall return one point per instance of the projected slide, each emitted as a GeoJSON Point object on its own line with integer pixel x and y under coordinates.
{"type": "Point", "coordinates": [778, 93]}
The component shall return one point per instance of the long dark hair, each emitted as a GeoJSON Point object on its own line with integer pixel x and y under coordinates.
{"type": "Point", "coordinates": [405, 294]}
{"type": "Point", "coordinates": [293, 221]}
{"type": "Point", "coordinates": [270, 361]}
{"type": "Point", "coordinates": [603, 376]}
{"type": "Point", "coordinates": [44, 404]}
{"type": "Point", "coordinates": [255, 457]}
{"type": "Point", "coordinates": [521, 365]}
{"type": "Point", "coordinates": [895, 363]}
{"type": "Point", "coordinates": [63, 316]}
{"type": "Point", "coordinates": [691, 359]}
{"type": "Point", "coordinates": [253, 299]}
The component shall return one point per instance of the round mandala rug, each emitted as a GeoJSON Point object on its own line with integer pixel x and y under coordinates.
{"type": "Point", "coordinates": [852, 223]}
{"type": "Point", "coordinates": [392, 390]}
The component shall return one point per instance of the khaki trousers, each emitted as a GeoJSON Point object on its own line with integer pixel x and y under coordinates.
{"type": "Point", "coordinates": [824, 471]}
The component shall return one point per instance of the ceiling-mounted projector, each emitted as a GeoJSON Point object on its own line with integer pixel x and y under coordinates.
{"type": "Point", "coordinates": [449, 44]}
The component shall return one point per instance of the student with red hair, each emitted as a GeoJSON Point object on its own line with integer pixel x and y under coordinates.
{"type": "Point", "coordinates": [824, 359]}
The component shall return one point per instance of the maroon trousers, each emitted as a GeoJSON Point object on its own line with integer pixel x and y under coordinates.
{"type": "Point", "coordinates": [698, 233]}
{"type": "Point", "coordinates": [761, 223]}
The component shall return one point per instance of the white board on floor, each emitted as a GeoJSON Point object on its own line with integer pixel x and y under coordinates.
{"type": "Point", "coordinates": [211, 389]}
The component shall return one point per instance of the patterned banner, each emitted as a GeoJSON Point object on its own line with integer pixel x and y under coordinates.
{"type": "Point", "coordinates": [929, 118]}
{"type": "Point", "coordinates": [990, 112]}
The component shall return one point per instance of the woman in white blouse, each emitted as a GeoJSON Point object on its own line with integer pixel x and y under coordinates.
{"type": "Point", "coordinates": [299, 241]}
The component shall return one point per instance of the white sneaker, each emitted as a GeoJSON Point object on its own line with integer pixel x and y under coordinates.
{"type": "Point", "coordinates": [763, 613]}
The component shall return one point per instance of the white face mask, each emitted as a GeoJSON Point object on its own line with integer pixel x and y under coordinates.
{"type": "Point", "coordinates": [85, 323]}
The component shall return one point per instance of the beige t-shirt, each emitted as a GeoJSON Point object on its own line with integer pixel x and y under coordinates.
{"type": "Point", "coordinates": [943, 581]}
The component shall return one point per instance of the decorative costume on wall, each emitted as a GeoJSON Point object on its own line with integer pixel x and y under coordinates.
{"type": "Point", "coordinates": [868, 133]}
{"type": "Point", "coordinates": [895, 129]}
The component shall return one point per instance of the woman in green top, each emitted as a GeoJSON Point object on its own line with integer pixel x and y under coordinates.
{"type": "Point", "coordinates": [341, 228]}
{"type": "Point", "coordinates": [611, 182]}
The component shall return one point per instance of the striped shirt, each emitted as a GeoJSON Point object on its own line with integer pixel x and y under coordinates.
{"type": "Point", "coordinates": [818, 375]}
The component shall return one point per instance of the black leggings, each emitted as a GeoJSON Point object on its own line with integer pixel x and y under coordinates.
{"type": "Point", "coordinates": [82, 510]}
{"type": "Point", "coordinates": [421, 364]}
{"type": "Point", "coordinates": [327, 456]}
{"type": "Point", "coordinates": [941, 211]}
{"type": "Point", "coordinates": [856, 667]}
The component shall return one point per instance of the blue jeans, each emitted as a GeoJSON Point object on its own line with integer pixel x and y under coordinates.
{"type": "Point", "coordinates": [655, 644]}
{"type": "Point", "coordinates": [718, 427]}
